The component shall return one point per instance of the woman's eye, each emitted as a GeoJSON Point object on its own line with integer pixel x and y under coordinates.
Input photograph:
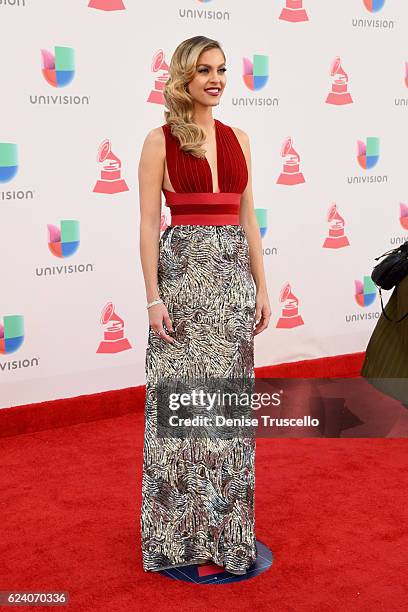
{"type": "Point", "coordinates": [206, 70]}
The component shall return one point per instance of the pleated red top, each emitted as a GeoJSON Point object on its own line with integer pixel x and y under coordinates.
{"type": "Point", "coordinates": [193, 201]}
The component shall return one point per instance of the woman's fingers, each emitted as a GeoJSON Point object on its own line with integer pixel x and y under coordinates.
{"type": "Point", "coordinates": [263, 322]}
{"type": "Point", "coordinates": [167, 322]}
{"type": "Point", "coordinates": [159, 315]}
{"type": "Point", "coordinates": [161, 332]}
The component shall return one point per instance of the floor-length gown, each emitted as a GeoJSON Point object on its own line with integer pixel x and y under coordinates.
{"type": "Point", "coordinates": [198, 494]}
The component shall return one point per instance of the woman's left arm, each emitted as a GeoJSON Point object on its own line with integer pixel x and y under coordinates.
{"type": "Point", "coordinates": [250, 224]}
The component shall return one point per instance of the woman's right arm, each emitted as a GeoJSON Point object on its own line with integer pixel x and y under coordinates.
{"type": "Point", "coordinates": [150, 174]}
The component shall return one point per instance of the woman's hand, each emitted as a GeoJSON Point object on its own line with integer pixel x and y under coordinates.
{"type": "Point", "coordinates": [158, 315]}
{"type": "Point", "coordinates": [262, 312]}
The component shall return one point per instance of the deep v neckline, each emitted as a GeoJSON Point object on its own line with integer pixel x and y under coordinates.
{"type": "Point", "coordinates": [216, 159]}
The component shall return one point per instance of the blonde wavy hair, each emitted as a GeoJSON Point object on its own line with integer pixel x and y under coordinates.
{"type": "Point", "coordinates": [178, 100]}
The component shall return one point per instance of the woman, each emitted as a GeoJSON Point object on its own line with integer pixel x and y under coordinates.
{"type": "Point", "coordinates": [386, 360]}
{"type": "Point", "coordinates": [198, 494]}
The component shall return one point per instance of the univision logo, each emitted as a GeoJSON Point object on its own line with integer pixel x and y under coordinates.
{"type": "Point", "coordinates": [262, 219]}
{"type": "Point", "coordinates": [11, 334]}
{"type": "Point", "coordinates": [58, 68]}
{"type": "Point", "coordinates": [8, 161]}
{"type": "Point", "coordinates": [366, 292]}
{"type": "Point", "coordinates": [368, 152]}
{"type": "Point", "coordinates": [11, 339]}
{"type": "Point", "coordinates": [8, 169]}
{"type": "Point", "coordinates": [374, 5]}
{"type": "Point", "coordinates": [63, 241]}
{"type": "Point", "coordinates": [256, 72]}
{"type": "Point", "coordinates": [403, 219]}
{"type": "Point", "coordinates": [404, 215]}
{"type": "Point", "coordinates": [255, 76]}
{"type": "Point", "coordinates": [403, 101]}
{"type": "Point", "coordinates": [204, 13]}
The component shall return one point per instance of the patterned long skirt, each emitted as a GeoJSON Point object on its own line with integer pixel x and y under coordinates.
{"type": "Point", "coordinates": [198, 494]}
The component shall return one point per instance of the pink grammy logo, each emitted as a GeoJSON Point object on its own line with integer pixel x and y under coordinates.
{"type": "Point", "coordinates": [294, 11]}
{"type": "Point", "coordinates": [404, 215]}
{"type": "Point", "coordinates": [110, 181]}
{"type": "Point", "coordinates": [336, 238]}
{"type": "Point", "coordinates": [290, 174]}
{"type": "Point", "coordinates": [290, 316]}
{"type": "Point", "coordinates": [158, 63]}
{"type": "Point", "coordinates": [339, 94]}
{"type": "Point", "coordinates": [107, 5]}
{"type": "Point", "coordinates": [114, 340]}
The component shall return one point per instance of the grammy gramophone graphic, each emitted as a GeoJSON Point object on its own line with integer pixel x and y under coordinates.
{"type": "Point", "coordinates": [114, 340]}
{"type": "Point", "coordinates": [290, 174]}
{"type": "Point", "coordinates": [294, 11]}
{"type": "Point", "coordinates": [107, 5]}
{"type": "Point", "coordinates": [158, 63]}
{"type": "Point", "coordinates": [336, 238]}
{"type": "Point", "coordinates": [290, 316]}
{"type": "Point", "coordinates": [110, 181]}
{"type": "Point", "coordinates": [339, 94]}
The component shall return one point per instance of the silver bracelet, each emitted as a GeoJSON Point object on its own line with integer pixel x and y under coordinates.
{"type": "Point", "coordinates": [154, 302]}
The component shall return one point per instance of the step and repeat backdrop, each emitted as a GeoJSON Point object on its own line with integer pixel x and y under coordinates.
{"type": "Point", "coordinates": [320, 87]}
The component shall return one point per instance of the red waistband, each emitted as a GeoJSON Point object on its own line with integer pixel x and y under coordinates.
{"type": "Point", "coordinates": [203, 208]}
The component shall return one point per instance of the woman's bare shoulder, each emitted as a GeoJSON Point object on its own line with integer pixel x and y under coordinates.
{"type": "Point", "coordinates": [154, 146]}
{"type": "Point", "coordinates": [240, 134]}
{"type": "Point", "coordinates": [155, 137]}
{"type": "Point", "coordinates": [243, 140]}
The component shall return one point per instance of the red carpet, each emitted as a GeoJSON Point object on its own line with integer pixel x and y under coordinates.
{"type": "Point", "coordinates": [334, 513]}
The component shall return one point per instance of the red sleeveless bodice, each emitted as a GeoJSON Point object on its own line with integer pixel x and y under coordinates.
{"type": "Point", "coordinates": [194, 202]}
